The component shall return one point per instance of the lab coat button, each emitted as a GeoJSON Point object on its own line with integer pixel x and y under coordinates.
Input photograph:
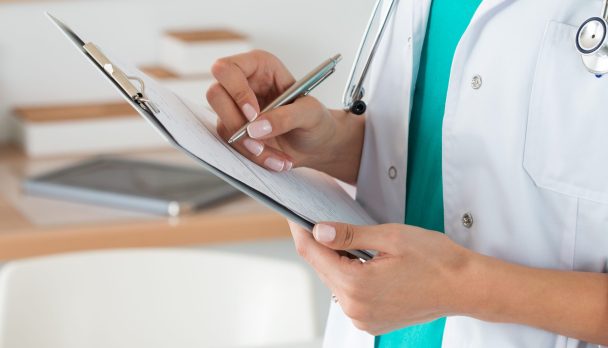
{"type": "Point", "coordinates": [476, 82]}
{"type": "Point", "coordinates": [392, 172]}
{"type": "Point", "coordinates": [467, 220]}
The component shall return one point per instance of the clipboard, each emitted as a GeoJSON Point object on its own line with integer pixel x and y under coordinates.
{"type": "Point", "coordinates": [147, 108]}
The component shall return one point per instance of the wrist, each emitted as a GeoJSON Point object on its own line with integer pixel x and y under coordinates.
{"type": "Point", "coordinates": [342, 155]}
{"type": "Point", "coordinates": [468, 289]}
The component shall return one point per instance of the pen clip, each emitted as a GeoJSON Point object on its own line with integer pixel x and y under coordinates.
{"type": "Point", "coordinates": [123, 81]}
{"type": "Point", "coordinates": [313, 86]}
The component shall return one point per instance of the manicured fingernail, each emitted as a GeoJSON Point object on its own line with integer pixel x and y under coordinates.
{"type": "Point", "coordinates": [274, 164]}
{"type": "Point", "coordinates": [288, 165]}
{"type": "Point", "coordinates": [324, 233]}
{"type": "Point", "coordinates": [255, 147]}
{"type": "Point", "coordinates": [259, 129]}
{"type": "Point", "coordinates": [249, 112]}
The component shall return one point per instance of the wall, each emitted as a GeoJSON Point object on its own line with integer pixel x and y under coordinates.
{"type": "Point", "coordinates": [37, 64]}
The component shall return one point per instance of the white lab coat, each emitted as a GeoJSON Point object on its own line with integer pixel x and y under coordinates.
{"type": "Point", "coordinates": [526, 153]}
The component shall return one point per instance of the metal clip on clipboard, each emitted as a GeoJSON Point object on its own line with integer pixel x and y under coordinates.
{"type": "Point", "coordinates": [122, 79]}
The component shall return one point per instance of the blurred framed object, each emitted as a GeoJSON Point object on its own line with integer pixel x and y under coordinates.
{"type": "Point", "coordinates": [130, 184]}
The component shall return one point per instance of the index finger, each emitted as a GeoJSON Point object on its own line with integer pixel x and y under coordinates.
{"type": "Point", "coordinates": [232, 73]}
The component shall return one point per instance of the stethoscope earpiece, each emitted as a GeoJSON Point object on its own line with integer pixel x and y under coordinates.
{"type": "Point", "coordinates": [592, 42]}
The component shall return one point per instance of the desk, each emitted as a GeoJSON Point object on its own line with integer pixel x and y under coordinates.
{"type": "Point", "coordinates": [33, 226]}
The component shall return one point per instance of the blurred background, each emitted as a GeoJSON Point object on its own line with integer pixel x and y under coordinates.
{"type": "Point", "coordinates": [93, 251]}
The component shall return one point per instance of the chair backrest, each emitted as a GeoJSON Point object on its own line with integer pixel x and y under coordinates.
{"type": "Point", "coordinates": [154, 298]}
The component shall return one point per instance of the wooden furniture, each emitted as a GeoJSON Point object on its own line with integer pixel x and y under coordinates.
{"type": "Point", "coordinates": [75, 112]}
{"type": "Point", "coordinates": [32, 226]}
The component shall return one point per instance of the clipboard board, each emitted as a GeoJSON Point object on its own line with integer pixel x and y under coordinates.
{"type": "Point", "coordinates": [148, 109]}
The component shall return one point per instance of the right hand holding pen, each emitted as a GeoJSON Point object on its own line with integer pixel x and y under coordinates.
{"type": "Point", "coordinates": [295, 135]}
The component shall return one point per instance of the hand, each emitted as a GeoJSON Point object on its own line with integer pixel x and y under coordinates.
{"type": "Point", "coordinates": [304, 133]}
{"type": "Point", "coordinates": [417, 277]}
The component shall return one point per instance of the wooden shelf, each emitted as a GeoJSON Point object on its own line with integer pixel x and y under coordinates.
{"type": "Point", "coordinates": [25, 234]}
{"type": "Point", "coordinates": [205, 35]}
{"type": "Point", "coordinates": [160, 72]}
{"type": "Point", "coordinates": [55, 113]}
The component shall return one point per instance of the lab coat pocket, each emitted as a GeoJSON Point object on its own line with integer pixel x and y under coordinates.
{"type": "Point", "coordinates": [567, 133]}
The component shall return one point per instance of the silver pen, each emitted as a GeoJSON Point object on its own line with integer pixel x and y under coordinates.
{"type": "Point", "coordinates": [299, 89]}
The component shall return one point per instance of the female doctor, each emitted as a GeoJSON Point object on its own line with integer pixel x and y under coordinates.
{"type": "Point", "coordinates": [483, 123]}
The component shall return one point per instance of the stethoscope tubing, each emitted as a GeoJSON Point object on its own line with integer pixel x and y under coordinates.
{"type": "Point", "coordinates": [351, 96]}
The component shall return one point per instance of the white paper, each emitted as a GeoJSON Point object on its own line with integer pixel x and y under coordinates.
{"type": "Point", "coordinates": [309, 194]}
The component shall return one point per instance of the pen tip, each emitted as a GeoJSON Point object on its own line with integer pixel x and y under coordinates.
{"type": "Point", "coordinates": [337, 58]}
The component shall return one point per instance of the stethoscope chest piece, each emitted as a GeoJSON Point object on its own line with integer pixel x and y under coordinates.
{"type": "Point", "coordinates": [592, 43]}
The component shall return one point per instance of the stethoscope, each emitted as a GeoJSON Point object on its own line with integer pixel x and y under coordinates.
{"type": "Point", "coordinates": [591, 42]}
{"type": "Point", "coordinates": [354, 92]}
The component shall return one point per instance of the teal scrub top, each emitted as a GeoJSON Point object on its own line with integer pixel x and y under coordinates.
{"type": "Point", "coordinates": [447, 22]}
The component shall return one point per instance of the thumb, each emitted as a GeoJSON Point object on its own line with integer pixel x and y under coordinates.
{"type": "Point", "coordinates": [339, 236]}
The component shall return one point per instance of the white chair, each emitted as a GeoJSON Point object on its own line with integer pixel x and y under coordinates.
{"type": "Point", "coordinates": [154, 298]}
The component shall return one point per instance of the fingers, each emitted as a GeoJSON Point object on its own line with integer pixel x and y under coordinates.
{"type": "Point", "coordinates": [228, 112]}
{"type": "Point", "coordinates": [329, 264]}
{"type": "Point", "coordinates": [231, 73]}
{"type": "Point", "coordinates": [262, 154]}
{"type": "Point", "coordinates": [339, 236]}
{"type": "Point", "coordinates": [230, 121]}
{"type": "Point", "coordinates": [297, 115]}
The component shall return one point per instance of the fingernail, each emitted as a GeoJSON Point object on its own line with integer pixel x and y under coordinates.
{"type": "Point", "coordinates": [324, 233]}
{"type": "Point", "coordinates": [255, 147]}
{"type": "Point", "coordinates": [259, 129]}
{"type": "Point", "coordinates": [288, 165]}
{"type": "Point", "coordinates": [249, 112]}
{"type": "Point", "coordinates": [274, 164]}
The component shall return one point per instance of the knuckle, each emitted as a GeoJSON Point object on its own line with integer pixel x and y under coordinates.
{"type": "Point", "coordinates": [221, 130]}
{"type": "Point", "coordinates": [311, 102]}
{"type": "Point", "coordinates": [280, 121]}
{"type": "Point", "coordinates": [220, 67]}
{"type": "Point", "coordinates": [393, 234]}
{"type": "Point", "coordinates": [259, 53]}
{"type": "Point", "coordinates": [302, 250]}
{"type": "Point", "coordinates": [241, 96]}
{"type": "Point", "coordinates": [213, 92]}
{"type": "Point", "coordinates": [348, 236]}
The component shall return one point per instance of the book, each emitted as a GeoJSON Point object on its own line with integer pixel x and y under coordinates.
{"type": "Point", "coordinates": [194, 52]}
{"type": "Point", "coordinates": [82, 128]}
